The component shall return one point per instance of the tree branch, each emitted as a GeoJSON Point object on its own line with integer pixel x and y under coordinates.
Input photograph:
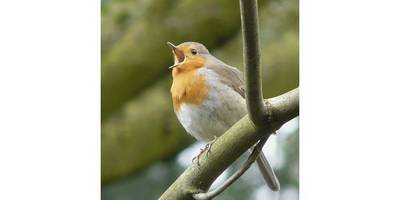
{"type": "Point", "coordinates": [257, 110]}
{"type": "Point", "coordinates": [250, 160]}
{"type": "Point", "coordinates": [251, 54]}
{"type": "Point", "coordinates": [228, 147]}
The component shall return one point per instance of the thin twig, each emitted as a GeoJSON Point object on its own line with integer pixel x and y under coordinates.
{"type": "Point", "coordinates": [250, 160]}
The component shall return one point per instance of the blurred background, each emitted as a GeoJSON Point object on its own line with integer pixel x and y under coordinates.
{"type": "Point", "coordinates": [144, 148]}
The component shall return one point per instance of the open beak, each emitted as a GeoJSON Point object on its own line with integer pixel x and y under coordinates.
{"type": "Point", "coordinates": [179, 55]}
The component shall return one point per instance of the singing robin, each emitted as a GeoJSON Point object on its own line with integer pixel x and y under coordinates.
{"type": "Point", "coordinates": [208, 97]}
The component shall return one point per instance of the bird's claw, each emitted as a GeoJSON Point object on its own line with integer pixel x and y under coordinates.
{"type": "Point", "coordinates": [207, 149]}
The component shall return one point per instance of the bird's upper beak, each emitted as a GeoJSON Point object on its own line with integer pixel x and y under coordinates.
{"type": "Point", "coordinates": [179, 55]}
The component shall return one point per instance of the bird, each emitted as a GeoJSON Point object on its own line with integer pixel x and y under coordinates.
{"type": "Point", "coordinates": [208, 97]}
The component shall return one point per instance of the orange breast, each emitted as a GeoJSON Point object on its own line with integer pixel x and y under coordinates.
{"type": "Point", "coordinates": [187, 87]}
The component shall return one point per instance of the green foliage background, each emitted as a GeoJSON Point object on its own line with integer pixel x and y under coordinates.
{"type": "Point", "coordinates": [140, 133]}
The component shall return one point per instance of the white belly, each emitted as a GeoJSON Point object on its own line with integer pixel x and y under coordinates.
{"type": "Point", "coordinates": [222, 108]}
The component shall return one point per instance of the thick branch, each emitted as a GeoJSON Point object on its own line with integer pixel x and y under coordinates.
{"type": "Point", "coordinates": [251, 53]}
{"type": "Point", "coordinates": [228, 147]}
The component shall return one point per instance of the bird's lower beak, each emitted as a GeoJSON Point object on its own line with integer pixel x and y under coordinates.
{"type": "Point", "coordinates": [179, 55]}
{"type": "Point", "coordinates": [172, 66]}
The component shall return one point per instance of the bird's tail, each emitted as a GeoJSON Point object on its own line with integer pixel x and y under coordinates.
{"type": "Point", "coordinates": [267, 172]}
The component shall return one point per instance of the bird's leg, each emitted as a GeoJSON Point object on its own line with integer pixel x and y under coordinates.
{"type": "Point", "coordinates": [206, 148]}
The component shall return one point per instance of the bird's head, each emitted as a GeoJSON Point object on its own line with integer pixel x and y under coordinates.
{"type": "Point", "coordinates": [188, 56]}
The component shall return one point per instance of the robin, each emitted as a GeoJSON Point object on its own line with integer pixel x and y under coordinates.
{"type": "Point", "coordinates": [208, 98]}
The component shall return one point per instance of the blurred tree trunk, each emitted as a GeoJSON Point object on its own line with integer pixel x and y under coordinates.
{"type": "Point", "coordinates": [145, 130]}
{"type": "Point", "coordinates": [118, 15]}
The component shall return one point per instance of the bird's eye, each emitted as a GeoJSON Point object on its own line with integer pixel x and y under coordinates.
{"type": "Point", "coordinates": [194, 52]}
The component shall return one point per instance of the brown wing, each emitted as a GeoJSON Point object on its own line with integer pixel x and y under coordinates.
{"type": "Point", "coordinates": [230, 76]}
